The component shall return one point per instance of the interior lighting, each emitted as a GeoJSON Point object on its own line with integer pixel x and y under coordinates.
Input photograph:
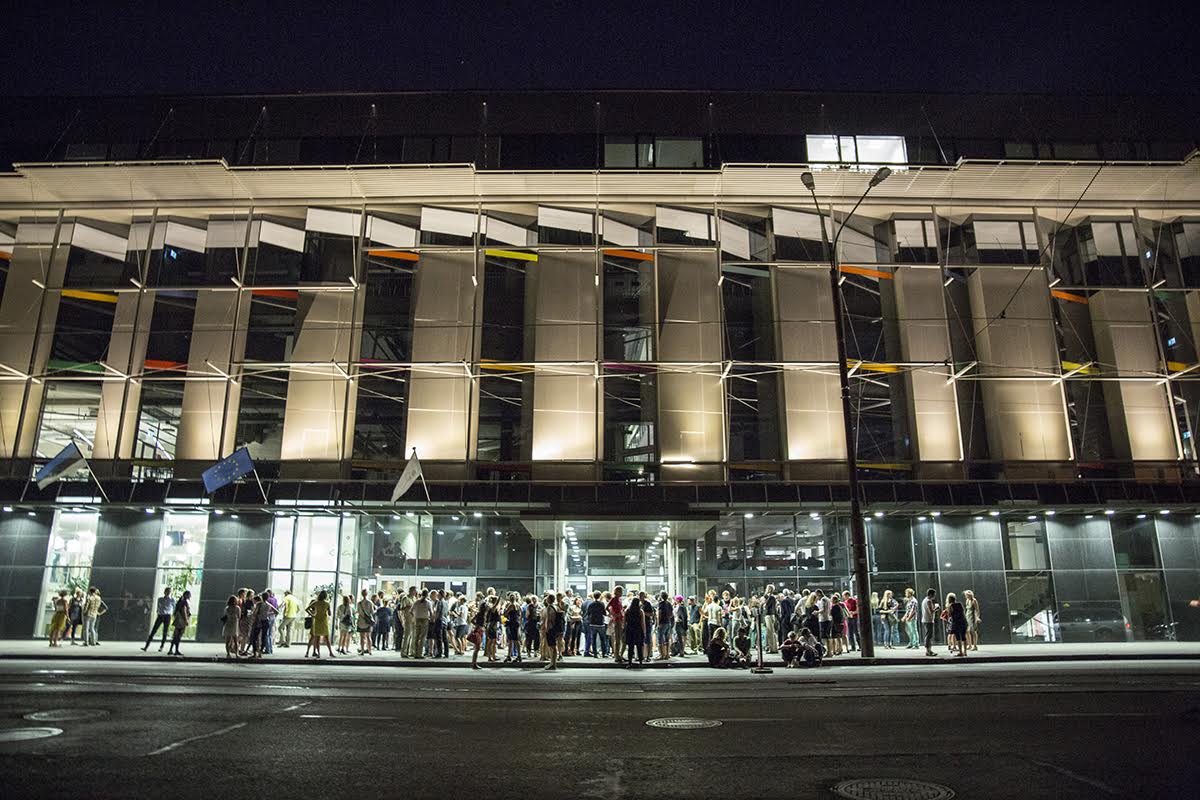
{"type": "Point", "coordinates": [9, 508]}
{"type": "Point", "coordinates": [495, 533]}
{"type": "Point", "coordinates": [935, 513]}
{"type": "Point", "coordinates": [878, 514]}
{"type": "Point", "coordinates": [813, 515]}
{"type": "Point", "coordinates": [921, 518]}
{"type": "Point", "coordinates": [1108, 512]}
{"type": "Point", "coordinates": [149, 510]}
{"type": "Point", "coordinates": [1050, 512]}
{"type": "Point", "coordinates": [993, 513]}
{"type": "Point", "coordinates": [1141, 516]}
{"type": "Point", "coordinates": [1165, 511]}
{"type": "Point", "coordinates": [441, 533]}
{"type": "Point", "coordinates": [478, 515]}
{"type": "Point", "coordinates": [749, 515]}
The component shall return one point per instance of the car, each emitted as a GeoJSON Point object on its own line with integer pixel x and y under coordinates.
{"type": "Point", "coordinates": [1092, 622]}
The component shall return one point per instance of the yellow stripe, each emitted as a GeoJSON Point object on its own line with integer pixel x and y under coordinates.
{"type": "Point", "coordinates": [892, 467]}
{"type": "Point", "coordinates": [1177, 366]}
{"type": "Point", "coordinates": [1067, 366]}
{"type": "Point", "coordinates": [872, 366]}
{"type": "Point", "coordinates": [512, 254]}
{"type": "Point", "coordinates": [82, 295]}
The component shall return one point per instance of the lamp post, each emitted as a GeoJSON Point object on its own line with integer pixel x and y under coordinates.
{"type": "Point", "coordinates": [858, 535]}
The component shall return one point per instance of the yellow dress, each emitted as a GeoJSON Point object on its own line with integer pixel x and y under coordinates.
{"type": "Point", "coordinates": [58, 622]}
{"type": "Point", "coordinates": [320, 615]}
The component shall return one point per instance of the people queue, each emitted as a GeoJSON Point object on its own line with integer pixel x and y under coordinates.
{"type": "Point", "coordinates": [803, 627]}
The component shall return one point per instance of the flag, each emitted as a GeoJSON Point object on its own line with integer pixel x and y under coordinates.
{"type": "Point", "coordinates": [412, 471]}
{"type": "Point", "coordinates": [67, 460]}
{"type": "Point", "coordinates": [227, 470]}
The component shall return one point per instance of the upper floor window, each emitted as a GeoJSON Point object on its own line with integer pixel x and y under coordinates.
{"type": "Point", "coordinates": [640, 152]}
{"type": "Point", "coordinates": [862, 151]}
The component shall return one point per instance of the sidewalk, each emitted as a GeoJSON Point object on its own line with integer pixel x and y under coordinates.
{"type": "Point", "coordinates": [1004, 653]}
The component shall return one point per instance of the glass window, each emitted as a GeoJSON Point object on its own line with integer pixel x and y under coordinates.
{"type": "Point", "coordinates": [181, 560]}
{"type": "Point", "coordinates": [679, 152]}
{"type": "Point", "coordinates": [1144, 602]}
{"type": "Point", "coordinates": [503, 329]}
{"type": "Point", "coordinates": [505, 405]}
{"type": "Point", "coordinates": [158, 420]}
{"type": "Point", "coordinates": [271, 329]}
{"type": "Point", "coordinates": [1025, 546]}
{"type": "Point", "coordinates": [260, 414]}
{"type": "Point", "coordinates": [99, 256]}
{"type": "Point", "coordinates": [1031, 608]}
{"type": "Point", "coordinates": [380, 420]}
{"type": "Point", "coordinates": [867, 151]}
{"type": "Point", "coordinates": [316, 544]}
{"type": "Point", "coordinates": [82, 331]}
{"type": "Point", "coordinates": [890, 544]}
{"type": "Point", "coordinates": [629, 307]}
{"type": "Point", "coordinates": [68, 560]}
{"type": "Point", "coordinates": [69, 412]}
{"type": "Point", "coordinates": [1134, 542]}
{"type": "Point", "coordinates": [169, 344]}
{"type": "Point", "coordinates": [878, 150]}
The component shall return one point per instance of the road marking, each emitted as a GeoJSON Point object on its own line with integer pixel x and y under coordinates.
{"type": "Point", "coordinates": [1103, 714]}
{"type": "Point", "coordinates": [298, 705]}
{"type": "Point", "coordinates": [757, 719]}
{"type": "Point", "coordinates": [1095, 784]}
{"type": "Point", "coordinates": [182, 742]}
{"type": "Point", "coordinates": [340, 716]}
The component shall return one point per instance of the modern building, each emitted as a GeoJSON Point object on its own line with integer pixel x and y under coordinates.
{"type": "Point", "coordinates": [605, 323]}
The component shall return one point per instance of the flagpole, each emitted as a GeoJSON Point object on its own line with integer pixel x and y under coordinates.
{"type": "Point", "coordinates": [421, 473]}
{"type": "Point", "coordinates": [96, 480]}
{"type": "Point", "coordinates": [260, 486]}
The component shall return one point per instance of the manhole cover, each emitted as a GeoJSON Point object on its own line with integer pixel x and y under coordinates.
{"type": "Point", "coordinates": [683, 723]}
{"type": "Point", "coordinates": [66, 714]}
{"type": "Point", "coordinates": [26, 734]}
{"type": "Point", "coordinates": [892, 789]}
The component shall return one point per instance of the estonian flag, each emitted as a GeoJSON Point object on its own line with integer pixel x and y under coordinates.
{"type": "Point", "coordinates": [67, 460]}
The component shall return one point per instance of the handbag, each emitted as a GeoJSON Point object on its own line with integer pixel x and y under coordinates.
{"type": "Point", "coordinates": [475, 636]}
{"type": "Point", "coordinates": [308, 623]}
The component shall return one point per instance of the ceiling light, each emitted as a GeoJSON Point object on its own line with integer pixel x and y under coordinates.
{"type": "Point", "coordinates": [455, 517]}
{"type": "Point", "coordinates": [921, 519]}
{"type": "Point", "coordinates": [749, 515]}
{"type": "Point", "coordinates": [1165, 511]}
{"type": "Point", "coordinates": [935, 513]}
{"type": "Point", "coordinates": [441, 533]}
{"type": "Point", "coordinates": [9, 508]}
{"type": "Point", "coordinates": [234, 516]}
{"type": "Point", "coordinates": [1031, 517]}
{"type": "Point", "coordinates": [149, 510]}
{"type": "Point", "coordinates": [496, 533]}
{"type": "Point", "coordinates": [219, 511]}
{"type": "Point", "coordinates": [477, 514]}
{"type": "Point", "coordinates": [978, 518]}
{"type": "Point", "coordinates": [395, 516]}
{"type": "Point", "coordinates": [410, 514]}
{"type": "Point", "coordinates": [813, 515]}
{"type": "Point", "coordinates": [1108, 512]}
{"type": "Point", "coordinates": [761, 568]}
{"type": "Point", "coordinates": [347, 514]}
{"type": "Point", "coordinates": [993, 513]}
{"type": "Point", "coordinates": [878, 514]}
{"type": "Point", "coordinates": [1141, 516]}
{"type": "Point", "coordinates": [724, 533]}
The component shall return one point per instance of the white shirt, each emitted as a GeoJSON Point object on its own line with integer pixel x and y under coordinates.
{"type": "Point", "coordinates": [928, 610]}
{"type": "Point", "coordinates": [824, 605]}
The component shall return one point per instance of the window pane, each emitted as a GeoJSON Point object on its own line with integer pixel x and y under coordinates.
{"type": "Point", "coordinates": [1025, 546]}
{"type": "Point", "coordinates": [69, 411]}
{"type": "Point", "coordinates": [68, 560]}
{"type": "Point", "coordinates": [1134, 542]}
{"type": "Point", "coordinates": [679, 152]}
{"type": "Point", "coordinates": [620, 151]}
{"type": "Point", "coordinates": [317, 543]}
{"type": "Point", "coordinates": [282, 539]}
{"type": "Point", "coordinates": [822, 149]}
{"type": "Point", "coordinates": [875, 150]}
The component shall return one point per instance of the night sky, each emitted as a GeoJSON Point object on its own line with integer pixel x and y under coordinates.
{"type": "Point", "coordinates": [136, 48]}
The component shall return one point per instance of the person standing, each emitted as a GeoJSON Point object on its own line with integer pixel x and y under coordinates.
{"type": "Point", "coordinates": [407, 603]}
{"type": "Point", "coordinates": [681, 626]}
{"type": "Point", "coordinates": [478, 623]}
{"type": "Point", "coordinates": [887, 615]}
{"type": "Point", "coordinates": [824, 609]}
{"type": "Point", "coordinates": [320, 611]}
{"type": "Point", "coordinates": [851, 604]}
{"type": "Point", "coordinates": [94, 607]}
{"type": "Point", "coordinates": [75, 614]}
{"type": "Point", "coordinates": [616, 612]}
{"type": "Point", "coordinates": [264, 620]}
{"type": "Point", "coordinates": [971, 606]}
{"type": "Point", "coordinates": [492, 625]}
{"type": "Point", "coordinates": [383, 625]}
{"type": "Point", "coordinates": [180, 619]}
{"type": "Point", "coordinates": [163, 612]}
{"type": "Point", "coordinates": [634, 630]}
{"type": "Point", "coordinates": [957, 624]}
{"type": "Point", "coordinates": [597, 627]}
{"type": "Point", "coordinates": [438, 611]}
{"type": "Point", "coordinates": [58, 622]}
{"type": "Point", "coordinates": [911, 619]}
{"type": "Point", "coordinates": [512, 628]}
{"type": "Point", "coordinates": [345, 624]}
{"type": "Point", "coordinates": [770, 619]}
{"type": "Point", "coordinates": [929, 619]}
{"type": "Point", "coordinates": [665, 626]}
{"type": "Point", "coordinates": [229, 627]}
{"type": "Point", "coordinates": [533, 637]}
{"type": "Point", "coordinates": [712, 618]}
{"type": "Point", "coordinates": [365, 612]}
{"type": "Point", "coordinates": [552, 625]}
{"type": "Point", "coordinates": [837, 618]}
{"type": "Point", "coordinates": [574, 626]}
{"type": "Point", "coordinates": [787, 607]}
{"type": "Point", "coordinates": [289, 609]}
{"type": "Point", "coordinates": [421, 612]}
{"type": "Point", "coordinates": [695, 627]}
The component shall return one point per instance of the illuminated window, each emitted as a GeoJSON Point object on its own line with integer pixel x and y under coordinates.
{"type": "Point", "coordinates": [866, 152]}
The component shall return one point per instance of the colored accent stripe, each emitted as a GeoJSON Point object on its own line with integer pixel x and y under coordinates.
{"type": "Point", "coordinates": [889, 467]}
{"type": "Point", "coordinates": [5, 256]}
{"type": "Point", "coordinates": [399, 255]}
{"type": "Point", "coordinates": [513, 254]}
{"type": "Point", "coordinates": [504, 367]}
{"type": "Point", "coordinates": [872, 366]}
{"type": "Point", "coordinates": [757, 467]}
{"type": "Point", "coordinates": [1070, 298]}
{"type": "Point", "coordinates": [56, 364]}
{"type": "Point", "coordinates": [154, 363]}
{"type": "Point", "coordinates": [633, 254]}
{"type": "Point", "coordinates": [1177, 366]}
{"type": "Point", "coordinates": [1068, 366]}
{"type": "Point", "coordinates": [870, 273]}
{"type": "Point", "coordinates": [98, 297]}
{"type": "Point", "coordinates": [282, 294]}
{"type": "Point", "coordinates": [629, 368]}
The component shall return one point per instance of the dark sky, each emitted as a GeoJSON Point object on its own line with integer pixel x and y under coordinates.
{"type": "Point", "coordinates": [140, 48]}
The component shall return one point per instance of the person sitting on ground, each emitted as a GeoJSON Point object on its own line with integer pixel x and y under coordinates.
{"type": "Point", "coordinates": [811, 650]}
{"type": "Point", "coordinates": [719, 656]}
{"type": "Point", "coordinates": [790, 649]}
{"type": "Point", "coordinates": [741, 644]}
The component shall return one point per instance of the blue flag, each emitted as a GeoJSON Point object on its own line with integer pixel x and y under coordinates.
{"type": "Point", "coordinates": [227, 470]}
{"type": "Point", "coordinates": [62, 464]}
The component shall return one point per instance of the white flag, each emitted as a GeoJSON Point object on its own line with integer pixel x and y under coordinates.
{"type": "Point", "coordinates": [412, 471]}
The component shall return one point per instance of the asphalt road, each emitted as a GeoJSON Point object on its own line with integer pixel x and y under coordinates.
{"type": "Point", "coordinates": [225, 731]}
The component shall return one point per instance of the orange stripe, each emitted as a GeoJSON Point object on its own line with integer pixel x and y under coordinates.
{"type": "Point", "coordinates": [5, 256]}
{"type": "Point", "coordinates": [399, 255]}
{"type": "Point", "coordinates": [153, 363]}
{"type": "Point", "coordinates": [634, 254]}
{"type": "Point", "coordinates": [1070, 298]}
{"type": "Point", "coordinates": [870, 273]}
{"type": "Point", "coordinates": [283, 294]}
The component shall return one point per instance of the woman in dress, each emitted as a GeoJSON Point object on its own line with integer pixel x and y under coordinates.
{"type": "Point", "coordinates": [345, 619]}
{"type": "Point", "coordinates": [493, 626]}
{"type": "Point", "coordinates": [512, 627]}
{"type": "Point", "coordinates": [75, 613]}
{"type": "Point", "coordinates": [887, 614]}
{"type": "Point", "coordinates": [635, 631]}
{"type": "Point", "coordinates": [971, 606]}
{"type": "Point", "coordinates": [58, 622]}
{"type": "Point", "coordinates": [958, 624]}
{"type": "Point", "coordinates": [478, 624]}
{"type": "Point", "coordinates": [247, 621]}
{"type": "Point", "coordinates": [319, 611]}
{"type": "Point", "coordinates": [180, 620]}
{"type": "Point", "coordinates": [532, 632]}
{"type": "Point", "coordinates": [229, 629]}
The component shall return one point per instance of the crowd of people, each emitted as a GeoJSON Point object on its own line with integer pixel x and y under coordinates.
{"type": "Point", "coordinates": [804, 628]}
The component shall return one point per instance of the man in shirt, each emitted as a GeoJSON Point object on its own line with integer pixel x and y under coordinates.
{"type": "Point", "coordinates": [166, 607]}
{"type": "Point", "coordinates": [289, 610]}
{"type": "Point", "coordinates": [712, 620]}
{"type": "Point", "coordinates": [787, 607]}
{"type": "Point", "coordinates": [929, 616]}
{"type": "Point", "coordinates": [93, 608]}
{"type": "Point", "coordinates": [616, 611]}
{"type": "Point", "coordinates": [911, 612]}
{"type": "Point", "coordinates": [421, 612]}
{"type": "Point", "coordinates": [694, 633]}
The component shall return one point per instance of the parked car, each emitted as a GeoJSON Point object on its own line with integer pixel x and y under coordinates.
{"type": "Point", "coordinates": [1092, 622]}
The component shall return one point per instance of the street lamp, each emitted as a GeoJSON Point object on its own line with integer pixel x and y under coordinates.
{"type": "Point", "coordinates": [858, 535]}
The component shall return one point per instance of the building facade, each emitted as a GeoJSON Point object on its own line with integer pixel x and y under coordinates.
{"type": "Point", "coordinates": [613, 351]}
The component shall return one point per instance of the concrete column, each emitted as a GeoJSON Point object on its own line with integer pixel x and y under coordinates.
{"type": "Point", "coordinates": [811, 396]}
{"type": "Point", "coordinates": [218, 340]}
{"type": "Point", "coordinates": [120, 399]}
{"type": "Point", "coordinates": [1026, 419]}
{"type": "Point", "coordinates": [1139, 412]}
{"type": "Point", "coordinates": [933, 403]}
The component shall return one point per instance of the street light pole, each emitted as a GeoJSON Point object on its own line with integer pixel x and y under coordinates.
{"type": "Point", "coordinates": [858, 534]}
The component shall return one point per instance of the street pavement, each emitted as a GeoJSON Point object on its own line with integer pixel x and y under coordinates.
{"type": "Point", "coordinates": [215, 730]}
